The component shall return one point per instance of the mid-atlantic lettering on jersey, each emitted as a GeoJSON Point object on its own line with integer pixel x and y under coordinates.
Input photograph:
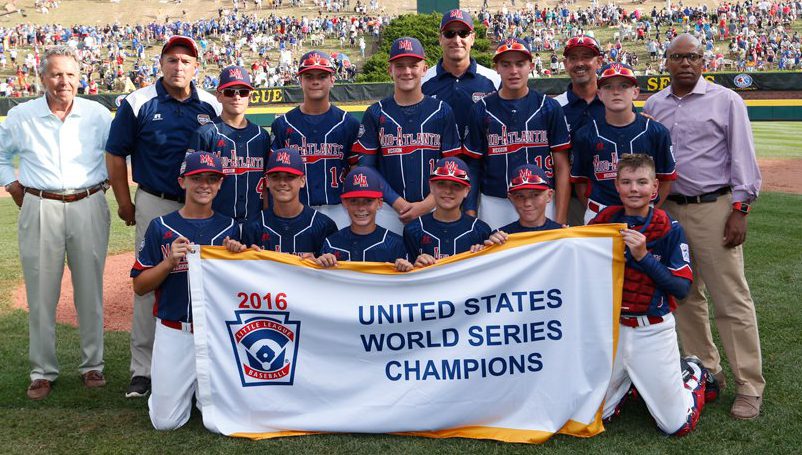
{"type": "Point", "coordinates": [439, 239]}
{"type": "Point", "coordinates": [304, 233]}
{"type": "Point", "coordinates": [380, 245]}
{"type": "Point", "coordinates": [504, 134]}
{"type": "Point", "coordinates": [404, 142]}
{"type": "Point", "coordinates": [324, 142]}
{"type": "Point", "coordinates": [243, 153]}
{"type": "Point", "coordinates": [598, 146]}
{"type": "Point", "coordinates": [172, 297]}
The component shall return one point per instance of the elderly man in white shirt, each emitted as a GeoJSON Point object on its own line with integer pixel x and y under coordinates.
{"type": "Point", "coordinates": [60, 141]}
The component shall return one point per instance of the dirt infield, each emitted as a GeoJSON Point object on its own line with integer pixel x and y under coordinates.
{"type": "Point", "coordinates": [782, 175]}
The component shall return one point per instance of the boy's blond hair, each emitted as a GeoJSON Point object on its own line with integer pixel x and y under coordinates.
{"type": "Point", "coordinates": [635, 161]}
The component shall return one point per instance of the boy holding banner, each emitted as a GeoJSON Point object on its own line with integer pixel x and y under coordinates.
{"type": "Point", "coordinates": [364, 240]}
{"type": "Point", "coordinates": [161, 266]}
{"type": "Point", "coordinates": [446, 231]}
{"type": "Point", "coordinates": [288, 225]}
{"type": "Point", "coordinates": [657, 271]}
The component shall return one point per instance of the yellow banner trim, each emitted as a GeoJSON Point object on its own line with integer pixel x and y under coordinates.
{"type": "Point", "coordinates": [571, 428]}
{"type": "Point", "coordinates": [384, 268]}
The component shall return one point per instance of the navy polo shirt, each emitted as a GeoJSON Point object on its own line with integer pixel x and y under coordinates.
{"type": "Point", "coordinates": [154, 129]}
{"type": "Point", "coordinates": [460, 92]}
{"type": "Point", "coordinates": [577, 111]}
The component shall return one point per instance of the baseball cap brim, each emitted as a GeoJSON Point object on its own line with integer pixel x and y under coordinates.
{"type": "Point", "coordinates": [526, 53]}
{"type": "Point", "coordinates": [602, 79]}
{"type": "Point", "coordinates": [586, 46]}
{"type": "Point", "coordinates": [288, 170]}
{"type": "Point", "coordinates": [202, 171]}
{"type": "Point", "coordinates": [530, 186]}
{"type": "Point", "coordinates": [469, 25]}
{"type": "Point", "coordinates": [361, 193]}
{"type": "Point", "coordinates": [235, 84]}
{"type": "Point", "coordinates": [320, 68]}
{"type": "Point", "coordinates": [396, 57]}
{"type": "Point", "coordinates": [181, 41]}
{"type": "Point", "coordinates": [449, 178]}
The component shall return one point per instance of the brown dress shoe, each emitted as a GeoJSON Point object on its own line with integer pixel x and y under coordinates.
{"type": "Point", "coordinates": [746, 407]}
{"type": "Point", "coordinates": [93, 379]}
{"type": "Point", "coordinates": [39, 389]}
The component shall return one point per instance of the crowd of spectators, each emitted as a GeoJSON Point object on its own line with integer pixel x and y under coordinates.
{"type": "Point", "coordinates": [739, 36]}
{"type": "Point", "coordinates": [119, 58]}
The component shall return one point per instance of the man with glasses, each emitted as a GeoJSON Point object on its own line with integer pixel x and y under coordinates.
{"type": "Point", "coordinates": [718, 179]}
{"type": "Point", "coordinates": [457, 79]}
{"type": "Point", "coordinates": [153, 126]}
{"type": "Point", "coordinates": [241, 145]}
{"type": "Point", "coordinates": [322, 133]}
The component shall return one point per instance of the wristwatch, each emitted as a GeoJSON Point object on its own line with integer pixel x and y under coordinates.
{"type": "Point", "coordinates": [742, 207]}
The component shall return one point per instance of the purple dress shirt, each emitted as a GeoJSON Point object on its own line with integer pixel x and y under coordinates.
{"type": "Point", "coordinates": [712, 140]}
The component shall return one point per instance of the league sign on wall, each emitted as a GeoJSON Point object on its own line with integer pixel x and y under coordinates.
{"type": "Point", "coordinates": [514, 343]}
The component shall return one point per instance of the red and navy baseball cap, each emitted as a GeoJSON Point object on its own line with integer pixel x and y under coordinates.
{"type": "Point", "coordinates": [362, 182]}
{"type": "Point", "coordinates": [182, 41]}
{"type": "Point", "coordinates": [513, 45]}
{"type": "Point", "coordinates": [285, 160]}
{"type": "Point", "coordinates": [585, 41]}
{"type": "Point", "coordinates": [200, 162]}
{"type": "Point", "coordinates": [406, 47]}
{"type": "Point", "coordinates": [232, 76]}
{"type": "Point", "coordinates": [612, 70]}
{"type": "Point", "coordinates": [528, 177]}
{"type": "Point", "coordinates": [316, 60]}
{"type": "Point", "coordinates": [456, 15]}
{"type": "Point", "coordinates": [452, 169]}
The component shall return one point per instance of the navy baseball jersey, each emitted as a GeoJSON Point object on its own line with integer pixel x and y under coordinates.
{"type": "Point", "coordinates": [504, 134]}
{"type": "Point", "coordinates": [460, 92]}
{"type": "Point", "coordinates": [579, 112]}
{"type": "Point", "coordinates": [379, 246]}
{"type": "Point", "coordinates": [243, 152]}
{"type": "Point", "coordinates": [598, 145]}
{"type": "Point", "coordinates": [304, 233]}
{"type": "Point", "coordinates": [668, 249]}
{"type": "Point", "coordinates": [324, 142]}
{"type": "Point", "coordinates": [404, 142]}
{"type": "Point", "coordinates": [172, 296]}
{"type": "Point", "coordinates": [152, 127]}
{"type": "Point", "coordinates": [515, 227]}
{"type": "Point", "coordinates": [440, 239]}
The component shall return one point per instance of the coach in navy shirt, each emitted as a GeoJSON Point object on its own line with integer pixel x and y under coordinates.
{"type": "Point", "coordinates": [458, 79]}
{"type": "Point", "coordinates": [153, 126]}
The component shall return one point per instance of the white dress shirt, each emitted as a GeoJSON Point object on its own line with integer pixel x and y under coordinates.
{"type": "Point", "coordinates": [55, 155]}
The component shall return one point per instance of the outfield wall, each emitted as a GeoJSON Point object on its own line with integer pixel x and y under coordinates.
{"type": "Point", "coordinates": [768, 96]}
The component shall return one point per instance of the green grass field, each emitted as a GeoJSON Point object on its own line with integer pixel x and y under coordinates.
{"type": "Point", "coordinates": [76, 420]}
{"type": "Point", "coordinates": [777, 139]}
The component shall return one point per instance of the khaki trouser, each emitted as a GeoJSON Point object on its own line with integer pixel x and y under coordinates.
{"type": "Point", "coordinates": [721, 271]}
{"type": "Point", "coordinates": [49, 231]}
{"type": "Point", "coordinates": [143, 328]}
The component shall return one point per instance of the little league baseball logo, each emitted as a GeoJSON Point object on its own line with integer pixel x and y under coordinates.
{"type": "Point", "coordinates": [265, 345]}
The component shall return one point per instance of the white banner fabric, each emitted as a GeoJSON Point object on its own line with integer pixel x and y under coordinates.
{"type": "Point", "coordinates": [513, 343]}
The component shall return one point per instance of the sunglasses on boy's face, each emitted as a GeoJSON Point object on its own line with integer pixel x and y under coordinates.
{"type": "Point", "coordinates": [242, 92]}
{"type": "Point", "coordinates": [448, 34]}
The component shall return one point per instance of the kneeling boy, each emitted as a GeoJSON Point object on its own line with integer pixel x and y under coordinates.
{"type": "Point", "coordinates": [162, 266]}
{"type": "Point", "coordinates": [657, 271]}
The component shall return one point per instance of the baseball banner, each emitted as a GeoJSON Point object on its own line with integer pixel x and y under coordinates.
{"type": "Point", "coordinates": [514, 343]}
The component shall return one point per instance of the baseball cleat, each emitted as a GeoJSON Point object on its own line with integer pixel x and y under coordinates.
{"type": "Point", "coordinates": [139, 387]}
